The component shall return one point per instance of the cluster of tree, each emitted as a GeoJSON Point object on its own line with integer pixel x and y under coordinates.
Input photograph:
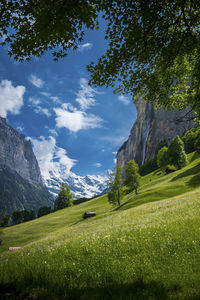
{"type": "Point", "coordinates": [191, 140]}
{"type": "Point", "coordinates": [4, 220]}
{"type": "Point", "coordinates": [64, 199]}
{"type": "Point", "coordinates": [116, 182]}
{"type": "Point", "coordinates": [17, 217]}
{"type": "Point", "coordinates": [173, 155]}
{"type": "Point", "coordinates": [153, 46]}
{"type": "Point", "coordinates": [20, 216]}
{"type": "Point", "coordinates": [148, 167]}
{"type": "Point", "coordinates": [44, 210]}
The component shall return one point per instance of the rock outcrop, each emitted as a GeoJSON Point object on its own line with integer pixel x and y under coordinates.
{"type": "Point", "coordinates": [21, 185]}
{"type": "Point", "coordinates": [17, 193]}
{"type": "Point", "coordinates": [17, 153]}
{"type": "Point", "coordinates": [152, 129]}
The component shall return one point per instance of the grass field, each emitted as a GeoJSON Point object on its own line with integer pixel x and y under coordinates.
{"type": "Point", "coordinates": [147, 249]}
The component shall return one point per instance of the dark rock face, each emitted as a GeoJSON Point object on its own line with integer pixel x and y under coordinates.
{"type": "Point", "coordinates": [21, 185]}
{"type": "Point", "coordinates": [153, 128]}
{"type": "Point", "coordinates": [17, 193]}
{"type": "Point", "coordinates": [17, 154]}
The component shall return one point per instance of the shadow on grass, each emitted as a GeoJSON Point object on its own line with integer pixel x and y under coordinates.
{"type": "Point", "coordinates": [118, 207]}
{"type": "Point", "coordinates": [137, 290]}
{"type": "Point", "coordinates": [193, 171]}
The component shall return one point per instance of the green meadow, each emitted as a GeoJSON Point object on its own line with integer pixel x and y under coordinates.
{"type": "Point", "coordinates": [149, 248]}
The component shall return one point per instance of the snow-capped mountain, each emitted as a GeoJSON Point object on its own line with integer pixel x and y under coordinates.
{"type": "Point", "coordinates": [55, 166]}
{"type": "Point", "coordinates": [82, 186]}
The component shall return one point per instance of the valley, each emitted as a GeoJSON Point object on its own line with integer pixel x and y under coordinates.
{"type": "Point", "coordinates": [147, 248]}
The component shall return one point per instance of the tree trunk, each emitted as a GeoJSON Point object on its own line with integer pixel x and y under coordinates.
{"type": "Point", "coordinates": [118, 197]}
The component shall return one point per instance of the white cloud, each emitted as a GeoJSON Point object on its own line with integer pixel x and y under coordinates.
{"type": "Point", "coordinates": [85, 97]}
{"type": "Point", "coordinates": [51, 158]}
{"type": "Point", "coordinates": [44, 111]}
{"type": "Point", "coordinates": [20, 128]}
{"type": "Point", "coordinates": [75, 120]}
{"type": "Point", "coordinates": [52, 131]}
{"type": "Point", "coordinates": [125, 100]}
{"type": "Point", "coordinates": [114, 152]}
{"type": "Point", "coordinates": [98, 165]}
{"type": "Point", "coordinates": [34, 100]}
{"type": "Point", "coordinates": [36, 81]}
{"type": "Point", "coordinates": [11, 98]}
{"type": "Point", "coordinates": [85, 46]}
{"type": "Point", "coordinates": [115, 161]}
{"type": "Point", "coordinates": [53, 98]}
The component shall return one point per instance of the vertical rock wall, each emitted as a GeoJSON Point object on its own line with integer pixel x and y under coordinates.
{"type": "Point", "coordinates": [17, 153]}
{"type": "Point", "coordinates": [151, 129]}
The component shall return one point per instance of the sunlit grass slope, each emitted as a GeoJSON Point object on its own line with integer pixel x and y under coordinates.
{"type": "Point", "coordinates": [147, 249]}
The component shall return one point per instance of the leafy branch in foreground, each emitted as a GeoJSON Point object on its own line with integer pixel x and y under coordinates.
{"type": "Point", "coordinates": [153, 51]}
{"type": "Point", "coordinates": [153, 47]}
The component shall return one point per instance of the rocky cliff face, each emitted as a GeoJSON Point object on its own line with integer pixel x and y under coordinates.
{"type": "Point", "coordinates": [21, 185]}
{"type": "Point", "coordinates": [17, 154]}
{"type": "Point", "coordinates": [153, 128]}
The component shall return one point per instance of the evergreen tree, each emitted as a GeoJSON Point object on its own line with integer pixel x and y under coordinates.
{"type": "Point", "coordinates": [132, 176]}
{"type": "Point", "coordinates": [44, 210]}
{"type": "Point", "coordinates": [115, 185]}
{"type": "Point", "coordinates": [162, 157]}
{"type": "Point", "coordinates": [64, 199]}
{"type": "Point", "coordinates": [197, 143]}
{"type": "Point", "coordinates": [176, 153]}
{"type": "Point", "coordinates": [4, 220]}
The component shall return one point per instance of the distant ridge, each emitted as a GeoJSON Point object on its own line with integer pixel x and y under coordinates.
{"type": "Point", "coordinates": [21, 185]}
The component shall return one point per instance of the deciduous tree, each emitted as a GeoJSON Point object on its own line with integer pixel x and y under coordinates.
{"type": "Point", "coordinates": [162, 157]}
{"type": "Point", "coordinates": [176, 153]}
{"type": "Point", "coordinates": [64, 199]}
{"type": "Point", "coordinates": [115, 185]}
{"type": "Point", "coordinates": [132, 176]}
{"type": "Point", "coordinates": [153, 46]}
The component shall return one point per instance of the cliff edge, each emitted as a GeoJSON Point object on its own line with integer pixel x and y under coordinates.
{"type": "Point", "coordinates": [152, 129]}
{"type": "Point", "coordinates": [17, 153]}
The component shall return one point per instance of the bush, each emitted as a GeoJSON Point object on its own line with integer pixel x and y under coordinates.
{"type": "Point", "coordinates": [149, 167]}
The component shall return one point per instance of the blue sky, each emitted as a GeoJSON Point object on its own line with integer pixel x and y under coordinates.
{"type": "Point", "coordinates": [67, 121]}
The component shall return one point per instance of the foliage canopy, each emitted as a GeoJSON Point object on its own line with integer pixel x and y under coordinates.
{"type": "Point", "coordinates": [132, 176]}
{"type": "Point", "coordinates": [115, 185]}
{"type": "Point", "coordinates": [153, 47]}
{"type": "Point", "coordinates": [64, 199]}
{"type": "Point", "coordinates": [162, 157]}
{"type": "Point", "coordinates": [176, 153]}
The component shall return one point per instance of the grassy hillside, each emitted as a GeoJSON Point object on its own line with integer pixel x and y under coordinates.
{"type": "Point", "coordinates": [147, 249]}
